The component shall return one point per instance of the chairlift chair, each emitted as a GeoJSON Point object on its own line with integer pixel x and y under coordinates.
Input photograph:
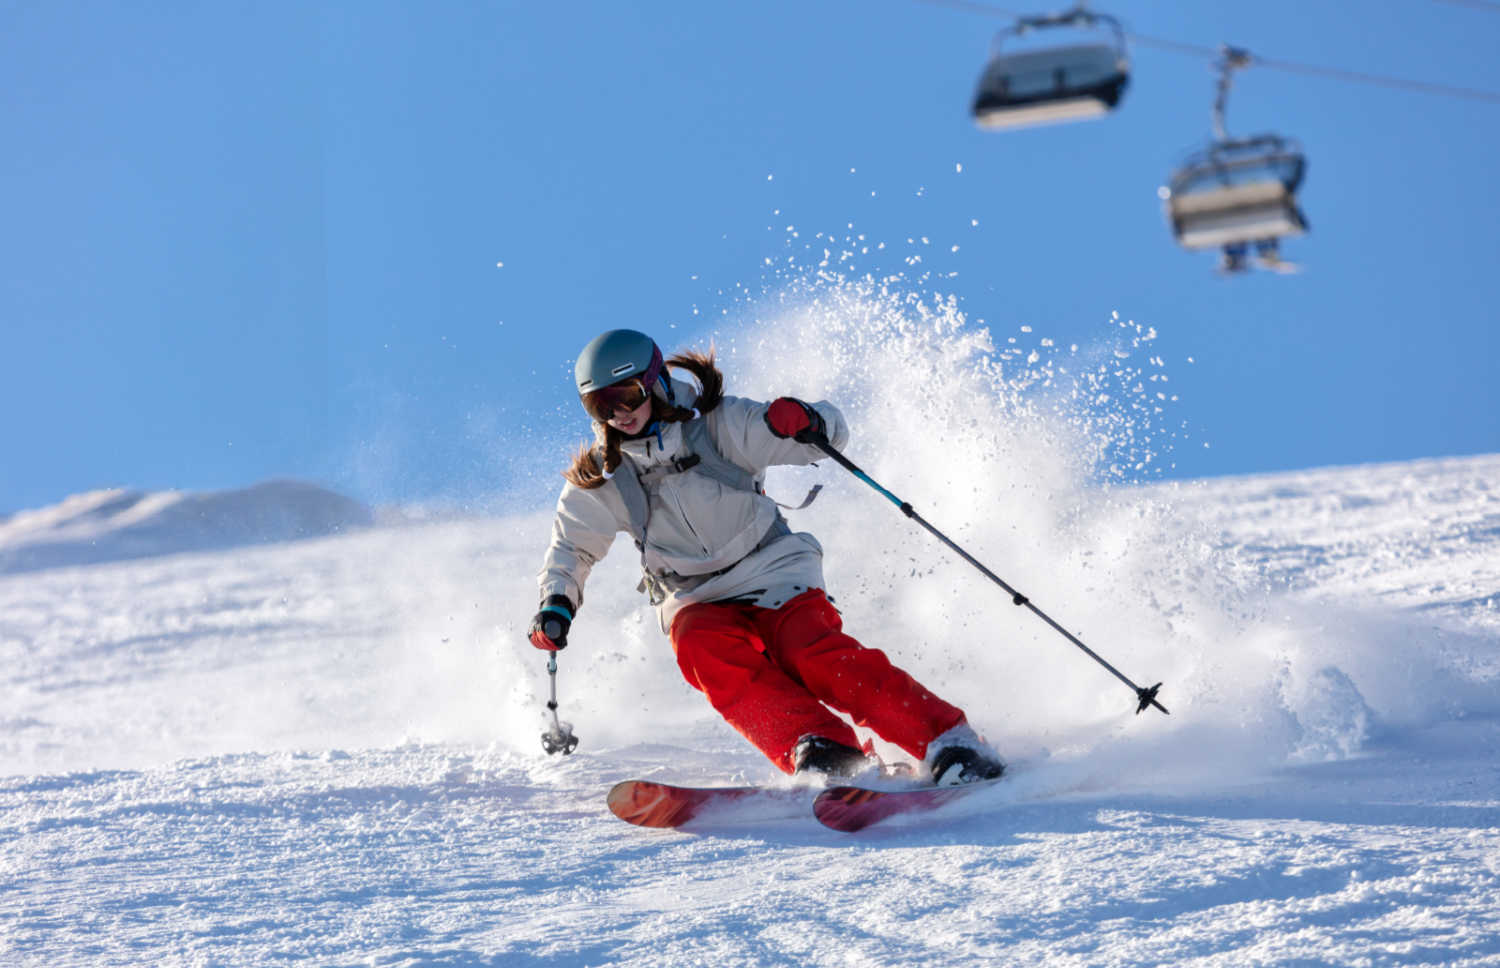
{"type": "Point", "coordinates": [1235, 193]}
{"type": "Point", "coordinates": [1238, 192]}
{"type": "Point", "coordinates": [1062, 82]}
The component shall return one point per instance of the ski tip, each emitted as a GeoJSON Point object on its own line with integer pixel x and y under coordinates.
{"type": "Point", "coordinates": [643, 803]}
{"type": "Point", "coordinates": [647, 803]}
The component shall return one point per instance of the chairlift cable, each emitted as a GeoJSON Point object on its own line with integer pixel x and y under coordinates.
{"type": "Point", "coordinates": [1214, 52]}
{"type": "Point", "coordinates": [1360, 77]}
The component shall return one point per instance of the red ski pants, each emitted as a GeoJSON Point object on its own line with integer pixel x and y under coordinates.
{"type": "Point", "coordinates": [774, 673]}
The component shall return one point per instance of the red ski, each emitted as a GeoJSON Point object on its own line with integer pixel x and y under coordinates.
{"type": "Point", "coordinates": [850, 808]}
{"type": "Point", "coordinates": [647, 803]}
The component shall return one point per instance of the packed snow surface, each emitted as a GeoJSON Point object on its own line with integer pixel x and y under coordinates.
{"type": "Point", "coordinates": [327, 751]}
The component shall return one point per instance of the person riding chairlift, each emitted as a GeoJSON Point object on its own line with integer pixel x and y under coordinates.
{"type": "Point", "coordinates": [740, 595]}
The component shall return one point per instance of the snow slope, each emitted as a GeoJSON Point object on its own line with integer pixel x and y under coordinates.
{"type": "Point", "coordinates": [116, 525]}
{"type": "Point", "coordinates": [327, 751]}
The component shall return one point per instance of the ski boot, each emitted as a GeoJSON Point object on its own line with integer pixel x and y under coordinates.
{"type": "Point", "coordinates": [961, 756]}
{"type": "Point", "coordinates": [819, 754]}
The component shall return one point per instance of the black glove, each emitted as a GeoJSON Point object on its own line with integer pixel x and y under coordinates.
{"type": "Point", "coordinates": [549, 628]}
{"type": "Point", "coordinates": [790, 417]}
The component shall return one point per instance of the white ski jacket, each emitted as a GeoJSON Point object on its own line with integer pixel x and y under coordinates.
{"type": "Point", "coordinates": [713, 542]}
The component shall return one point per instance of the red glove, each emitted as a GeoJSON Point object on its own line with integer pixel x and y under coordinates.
{"type": "Point", "coordinates": [790, 417]}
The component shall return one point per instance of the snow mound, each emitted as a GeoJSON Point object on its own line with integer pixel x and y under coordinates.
{"type": "Point", "coordinates": [118, 525]}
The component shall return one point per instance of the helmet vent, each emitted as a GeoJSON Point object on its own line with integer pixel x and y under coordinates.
{"type": "Point", "coordinates": [622, 369]}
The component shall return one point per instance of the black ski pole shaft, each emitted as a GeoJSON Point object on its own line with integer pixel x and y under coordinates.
{"type": "Point", "coordinates": [1147, 697]}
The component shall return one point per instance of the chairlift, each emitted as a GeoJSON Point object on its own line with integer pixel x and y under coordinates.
{"type": "Point", "coordinates": [1236, 194]}
{"type": "Point", "coordinates": [1060, 82]}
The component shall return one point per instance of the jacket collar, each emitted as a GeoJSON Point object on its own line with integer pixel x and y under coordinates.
{"type": "Point", "coordinates": [661, 447]}
{"type": "Point", "coordinates": [655, 448]}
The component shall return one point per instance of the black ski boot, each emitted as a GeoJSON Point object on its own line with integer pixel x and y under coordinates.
{"type": "Point", "coordinates": [961, 756]}
{"type": "Point", "coordinates": [962, 764]}
{"type": "Point", "coordinates": [819, 754]}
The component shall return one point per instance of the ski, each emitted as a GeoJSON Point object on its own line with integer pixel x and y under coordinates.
{"type": "Point", "coordinates": [647, 803]}
{"type": "Point", "coordinates": [851, 808]}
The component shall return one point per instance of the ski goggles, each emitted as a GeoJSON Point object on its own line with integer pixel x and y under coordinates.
{"type": "Point", "coordinates": [627, 394]}
{"type": "Point", "coordinates": [604, 403]}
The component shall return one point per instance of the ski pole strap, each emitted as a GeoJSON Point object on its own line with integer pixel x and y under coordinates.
{"type": "Point", "coordinates": [812, 495]}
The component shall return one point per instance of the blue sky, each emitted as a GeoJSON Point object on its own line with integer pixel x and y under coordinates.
{"type": "Point", "coordinates": [265, 240]}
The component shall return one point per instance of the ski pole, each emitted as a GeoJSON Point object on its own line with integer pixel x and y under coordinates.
{"type": "Point", "coordinates": [560, 738]}
{"type": "Point", "coordinates": [1147, 697]}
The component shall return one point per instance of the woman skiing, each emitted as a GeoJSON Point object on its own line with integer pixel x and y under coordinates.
{"type": "Point", "coordinates": [679, 467]}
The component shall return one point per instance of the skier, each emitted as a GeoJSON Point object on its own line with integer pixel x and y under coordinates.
{"type": "Point", "coordinates": [741, 596]}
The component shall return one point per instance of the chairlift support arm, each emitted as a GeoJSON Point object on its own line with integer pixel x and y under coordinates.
{"type": "Point", "coordinates": [1230, 60]}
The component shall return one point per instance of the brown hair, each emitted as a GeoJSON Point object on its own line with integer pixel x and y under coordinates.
{"type": "Point", "coordinates": [586, 472]}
